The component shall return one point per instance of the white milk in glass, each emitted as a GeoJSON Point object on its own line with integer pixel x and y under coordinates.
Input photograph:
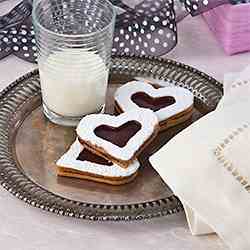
{"type": "Point", "coordinates": [76, 87]}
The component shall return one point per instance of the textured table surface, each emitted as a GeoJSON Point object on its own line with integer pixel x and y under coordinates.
{"type": "Point", "coordinates": [27, 228]}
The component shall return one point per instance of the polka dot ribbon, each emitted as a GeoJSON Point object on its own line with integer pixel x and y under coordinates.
{"type": "Point", "coordinates": [196, 7]}
{"type": "Point", "coordinates": [19, 41]}
{"type": "Point", "coordinates": [147, 28]}
{"type": "Point", "coordinates": [150, 31]}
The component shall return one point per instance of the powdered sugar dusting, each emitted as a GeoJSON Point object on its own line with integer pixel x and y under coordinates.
{"type": "Point", "coordinates": [69, 160]}
{"type": "Point", "coordinates": [145, 117]}
{"type": "Point", "coordinates": [183, 97]}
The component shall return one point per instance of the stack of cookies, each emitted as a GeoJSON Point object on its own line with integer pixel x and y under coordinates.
{"type": "Point", "coordinates": [107, 146]}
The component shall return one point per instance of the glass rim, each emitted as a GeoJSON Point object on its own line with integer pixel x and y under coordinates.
{"type": "Point", "coordinates": [107, 26]}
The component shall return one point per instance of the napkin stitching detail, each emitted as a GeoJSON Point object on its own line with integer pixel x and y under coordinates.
{"type": "Point", "coordinates": [239, 84]}
{"type": "Point", "coordinates": [228, 165]}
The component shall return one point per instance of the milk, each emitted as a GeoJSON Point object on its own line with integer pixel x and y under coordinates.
{"type": "Point", "coordinates": [73, 82]}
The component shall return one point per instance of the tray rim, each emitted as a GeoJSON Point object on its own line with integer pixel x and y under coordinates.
{"type": "Point", "coordinates": [165, 206]}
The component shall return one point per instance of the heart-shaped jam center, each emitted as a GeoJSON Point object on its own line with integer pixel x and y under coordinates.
{"type": "Point", "coordinates": [144, 100]}
{"type": "Point", "coordinates": [118, 135]}
{"type": "Point", "coordinates": [87, 155]}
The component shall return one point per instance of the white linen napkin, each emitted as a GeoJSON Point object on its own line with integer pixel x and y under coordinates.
{"type": "Point", "coordinates": [236, 89]}
{"type": "Point", "coordinates": [214, 198]}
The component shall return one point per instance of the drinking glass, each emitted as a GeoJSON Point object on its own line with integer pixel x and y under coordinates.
{"type": "Point", "coordinates": [74, 42]}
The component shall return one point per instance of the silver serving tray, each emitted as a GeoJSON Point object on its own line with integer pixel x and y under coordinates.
{"type": "Point", "coordinates": [30, 145]}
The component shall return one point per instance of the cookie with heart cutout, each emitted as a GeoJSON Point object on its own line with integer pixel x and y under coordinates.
{"type": "Point", "coordinates": [79, 162]}
{"type": "Point", "coordinates": [172, 105]}
{"type": "Point", "coordinates": [119, 139]}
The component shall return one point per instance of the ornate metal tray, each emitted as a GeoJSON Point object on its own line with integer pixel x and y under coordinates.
{"type": "Point", "coordinates": [30, 145]}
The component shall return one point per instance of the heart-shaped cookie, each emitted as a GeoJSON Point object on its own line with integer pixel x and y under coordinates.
{"type": "Point", "coordinates": [172, 105]}
{"type": "Point", "coordinates": [79, 162]}
{"type": "Point", "coordinates": [118, 138]}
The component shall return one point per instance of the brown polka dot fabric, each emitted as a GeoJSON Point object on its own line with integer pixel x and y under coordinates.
{"type": "Point", "coordinates": [147, 28]}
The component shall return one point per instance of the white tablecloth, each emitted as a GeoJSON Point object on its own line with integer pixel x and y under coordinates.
{"type": "Point", "coordinates": [26, 228]}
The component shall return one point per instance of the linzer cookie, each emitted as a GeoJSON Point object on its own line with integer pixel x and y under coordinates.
{"type": "Point", "coordinates": [172, 105]}
{"type": "Point", "coordinates": [79, 162]}
{"type": "Point", "coordinates": [119, 139]}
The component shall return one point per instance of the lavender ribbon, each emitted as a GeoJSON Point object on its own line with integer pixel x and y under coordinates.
{"type": "Point", "coordinates": [148, 28]}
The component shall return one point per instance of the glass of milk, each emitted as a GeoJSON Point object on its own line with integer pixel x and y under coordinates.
{"type": "Point", "coordinates": [74, 42]}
